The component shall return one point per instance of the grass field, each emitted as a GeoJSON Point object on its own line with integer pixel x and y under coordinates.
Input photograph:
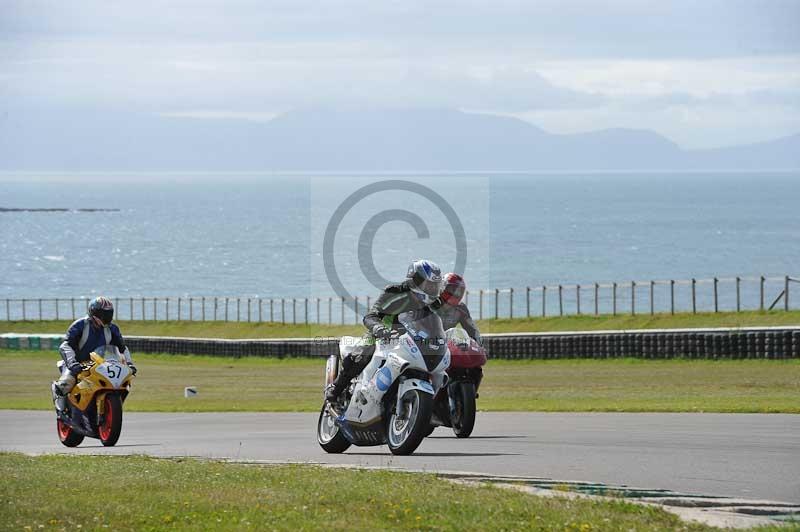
{"type": "Point", "coordinates": [139, 493]}
{"type": "Point", "coordinates": [278, 385]}
{"type": "Point", "coordinates": [221, 329]}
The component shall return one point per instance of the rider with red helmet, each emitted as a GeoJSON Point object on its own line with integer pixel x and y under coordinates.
{"type": "Point", "coordinates": [452, 310]}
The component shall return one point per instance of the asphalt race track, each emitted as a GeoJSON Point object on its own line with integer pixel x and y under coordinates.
{"type": "Point", "coordinates": [753, 456]}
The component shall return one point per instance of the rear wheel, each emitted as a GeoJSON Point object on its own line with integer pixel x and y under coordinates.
{"type": "Point", "coordinates": [111, 427]}
{"type": "Point", "coordinates": [464, 418]}
{"type": "Point", "coordinates": [67, 434]}
{"type": "Point", "coordinates": [329, 437]}
{"type": "Point", "coordinates": [405, 434]}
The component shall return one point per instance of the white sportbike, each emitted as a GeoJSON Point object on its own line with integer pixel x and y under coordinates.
{"type": "Point", "coordinates": [392, 399]}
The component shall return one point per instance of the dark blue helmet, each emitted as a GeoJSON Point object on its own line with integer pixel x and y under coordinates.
{"type": "Point", "coordinates": [425, 278]}
{"type": "Point", "coordinates": [102, 309]}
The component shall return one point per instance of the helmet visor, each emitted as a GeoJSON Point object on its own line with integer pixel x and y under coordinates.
{"type": "Point", "coordinates": [105, 315]}
{"type": "Point", "coordinates": [430, 287]}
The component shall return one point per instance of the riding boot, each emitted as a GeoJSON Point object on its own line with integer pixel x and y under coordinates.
{"type": "Point", "coordinates": [61, 389]}
{"type": "Point", "coordinates": [348, 372]}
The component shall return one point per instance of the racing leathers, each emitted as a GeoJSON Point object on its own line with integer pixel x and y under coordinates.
{"type": "Point", "coordinates": [453, 315]}
{"type": "Point", "coordinates": [83, 337]}
{"type": "Point", "coordinates": [382, 324]}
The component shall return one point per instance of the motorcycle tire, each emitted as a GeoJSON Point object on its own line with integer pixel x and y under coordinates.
{"type": "Point", "coordinates": [405, 435]}
{"type": "Point", "coordinates": [329, 437]}
{"type": "Point", "coordinates": [67, 435]}
{"type": "Point", "coordinates": [464, 419]}
{"type": "Point", "coordinates": [110, 429]}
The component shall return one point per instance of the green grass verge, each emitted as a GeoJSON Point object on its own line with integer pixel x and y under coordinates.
{"type": "Point", "coordinates": [218, 329]}
{"type": "Point", "coordinates": [279, 385]}
{"type": "Point", "coordinates": [139, 493]}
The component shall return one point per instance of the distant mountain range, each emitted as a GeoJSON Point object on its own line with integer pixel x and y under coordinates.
{"type": "Point", "coordinates": [326, 140]}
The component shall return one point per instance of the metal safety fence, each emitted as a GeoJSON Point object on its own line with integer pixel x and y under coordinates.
{"type": "Point", "coordinates": [731, 294]}
{"type": "Point", "coordinates": [715, 344]}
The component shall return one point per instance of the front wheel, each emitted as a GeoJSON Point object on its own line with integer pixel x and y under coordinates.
{"type": "Point", "coordinates": [67, 434]}
{"type": "Point", "coordinates": [111, 427]}
{"type": "Point", "coordinates": [405, 434]}
{"type": "Point", "coordinates": [464, 418]}
{"type": "Point", "coordinates": [329, 437]}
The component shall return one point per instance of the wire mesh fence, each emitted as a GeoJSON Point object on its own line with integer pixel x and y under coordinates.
{"type": "Point", "coordinates": [628, 297]}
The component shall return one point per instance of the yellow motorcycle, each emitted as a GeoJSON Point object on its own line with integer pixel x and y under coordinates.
{"type": "Point", "coordinates": [94, 406]}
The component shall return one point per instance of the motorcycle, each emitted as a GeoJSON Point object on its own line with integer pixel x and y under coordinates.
{"type": "Point", "coordinates": [454, 405]}
{"type": "Point", "coordinates": [94, 406]}
{"type": "Point", "coordinates": [391, 400]}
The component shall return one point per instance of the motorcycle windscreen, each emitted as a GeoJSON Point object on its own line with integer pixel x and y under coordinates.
{"type": "Point", "coordinates": [426, 328]}
{"type": "Point", "coordinates": [109, 352]}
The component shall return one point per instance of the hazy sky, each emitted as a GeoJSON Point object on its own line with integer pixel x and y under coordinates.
{"type": "Point", "coordinates": [704, 73]}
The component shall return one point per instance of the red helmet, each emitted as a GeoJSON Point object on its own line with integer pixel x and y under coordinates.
{"type": "Point", "coordinates": [454, 289]}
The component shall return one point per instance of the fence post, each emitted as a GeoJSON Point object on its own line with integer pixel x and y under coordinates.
{"type": "Point", "coordinates": [167, 309]}
{"type": "Point", "coordinates": [633, 298]}
{"type": "Point", "coordinates": [672, 296]}
{"type": "Point", "coordinates": [23, 310]}
{"type": "Point", "coordinates": [480, 304]}
{"type": "Point", "coordinates": [8, 311]}
{"type": "Point", "coordinates": [544, 300]}
{"type": "Point", "coordinates": [238, 306]}
{"type": "Point", "coordinates": [528, 301]}
{"type": "Point", "coordinates": [203, 308]}
{"type": "Point", "coordinates": [761, 304]}
{"type": "Point", "coordinates": [786, 293]}
{"type": "Point", "coordinates": [614, 299]}
{"type": "Point", "coordinates": [596, 304]}
{"type": "Point", "coordinates": [511, 303]}
{"type": "Point", "coordinates": [560, 301]}
{"type": "Point", "coordinates": [496, 301]}
{"type": "Point", "coordinates": [216, 307]}
{"type": "Point", "coordinates": [260, 310]}
{"type": "Point", "coordinates": [283, 310]}
{"type": "Point", "coordinates": [716, 299]}
{"type": "Point", "coordinates": [56, 309]}
{"type": "Point", "coordinates": [179, 309]}
{"type": "Point", "coordinates": [40, 303]}
{"type": "Point", "coordinates": [191, 310]}
{"type": "Point", "coordinates": [738, 295]}
{"type": "Point", "coordinates": [271, 313]}
{"type": "Point", "coordinates": [652, 303]}
{"type": "Point", "coordinates": [694, 296]}
{"type": "Point", "coordinates": [578, 298]}
{"type": "Point", "coordinates": [248, 310]}
{"type": "Point", "coordinates": [226, 308]}
{"type": "Point", "coordinates": [305, 304]}
{"type": "Point", "coordinates": [294, 311]}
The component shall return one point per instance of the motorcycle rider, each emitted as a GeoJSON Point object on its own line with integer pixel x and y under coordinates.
{"type": "Point", "coordinates": [84, 336]}
{"type": "Point", "coordinates": [420, 289]}
{"type": "Point", "coordinates": [453, 311]}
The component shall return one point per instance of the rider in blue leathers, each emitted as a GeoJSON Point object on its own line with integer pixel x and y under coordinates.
{"type": "Point", "coordinates": [84, 336]}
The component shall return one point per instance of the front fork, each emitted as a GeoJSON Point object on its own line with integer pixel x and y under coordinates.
{"type": "Point", "coordinates": [452, 390]}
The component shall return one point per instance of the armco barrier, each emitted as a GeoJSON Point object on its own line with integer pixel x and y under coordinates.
{"type": "Point", "coordinates": [724, 343]}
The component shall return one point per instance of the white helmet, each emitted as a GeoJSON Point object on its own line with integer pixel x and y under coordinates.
{"type": "Point", "coordinates": [425, 279]}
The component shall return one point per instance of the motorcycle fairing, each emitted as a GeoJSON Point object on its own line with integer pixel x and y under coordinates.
{"type": "Point", "coordinates": [387, 364]}
{"type": "Point", "coordinates": [371, 434]}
